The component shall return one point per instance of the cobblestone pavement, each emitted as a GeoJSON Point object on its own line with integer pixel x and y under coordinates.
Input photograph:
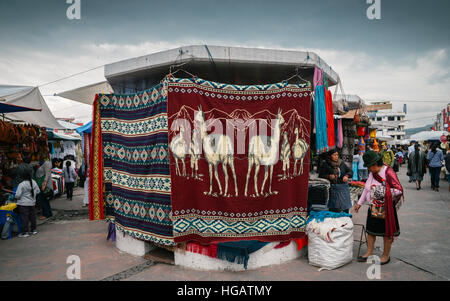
{"type": "Point", "coordinates": [422, 252]}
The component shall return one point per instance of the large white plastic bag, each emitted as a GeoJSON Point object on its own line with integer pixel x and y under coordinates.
{"type": "Point", "coordinates": [334, 254]}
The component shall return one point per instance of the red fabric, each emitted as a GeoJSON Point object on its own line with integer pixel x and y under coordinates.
{"type": "Point", "coordinates": [193, 205]}
{"type": "Point", "coordinates": [282, 244]}
{"type": "Point", "coordinates": [301, 242]}
{"type": "Point", "coordinates": [96, 176]}
{"type": "Point", "coordinates": [390, 182]}
{"type": "Point", "coordinates": [330, 119]}
{"type": "Point", "coordinates": [207, 250]}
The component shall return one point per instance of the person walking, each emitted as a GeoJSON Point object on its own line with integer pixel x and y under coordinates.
{"type": "Point", "coordinates": [410, 151]}
{"type": "Point", "coordinates": [387, 155]}
{"type": "Point", "coordinates": [417, 166]}
{"type": "Point", "coordinates": [383, 193]}
{"type": "Point", "coordinates": [26, 194]}
{"type": "Point", "coordinates": [69, 179]}
{"type": "Point", "coordinates": [338, 173]}
{"type": "Point", "coordinates": [44, 179]}
{"type": "Point", "coordinates": [362, 170]}
{"type": "Point", "coordinates": [447, 167]}
{"type": "Point", "coordinates": [435, 158]}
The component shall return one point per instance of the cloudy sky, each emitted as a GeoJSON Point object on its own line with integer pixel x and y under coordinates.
{"type": "Point", "coordinates": [405, 56]}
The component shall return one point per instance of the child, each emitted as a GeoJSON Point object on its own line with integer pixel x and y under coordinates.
{"type": "Point", "coordinates": [26, 200]}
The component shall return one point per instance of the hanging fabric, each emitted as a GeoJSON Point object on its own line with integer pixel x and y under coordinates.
{"type": "Point", "coordinates": [330, 119]}
{"type": "Point", "coordinates": [340, 133]}
{"type": "Point", "coordinates": [321, 120]}
{"type": "Point", "coordinates": [318, 77]}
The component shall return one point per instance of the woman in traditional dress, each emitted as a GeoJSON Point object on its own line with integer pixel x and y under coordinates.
{"type": "Point", "coordinates": [337, 172]}
{"type": "Point", "coordinates": [417, 165]}
{"type": "Point", "coordinates": [383, 192]}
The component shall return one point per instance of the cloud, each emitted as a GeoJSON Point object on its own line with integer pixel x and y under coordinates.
{"type": "Point", "coordinates": [413, 78]}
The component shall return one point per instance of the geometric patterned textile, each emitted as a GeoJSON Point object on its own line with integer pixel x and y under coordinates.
{"type": "Point", "coordinates": [238, 183]}
{"type": "Point", "coordinates": [136, 163]}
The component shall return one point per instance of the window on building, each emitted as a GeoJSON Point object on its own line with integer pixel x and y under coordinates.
{"type": "Point", "coordinates": [399, 137]}
{"type": "Point", "coordinates": [378, 118]}
{"type": "Point", "coordinates": [391, 118]}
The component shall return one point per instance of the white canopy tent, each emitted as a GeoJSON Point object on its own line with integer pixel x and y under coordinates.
{"type": "Point", "coordinates": [29, 97]}
{"type": "Point", "coordinates": [428, 135]}
{"type": "Point", "coordinates": [86, 94]}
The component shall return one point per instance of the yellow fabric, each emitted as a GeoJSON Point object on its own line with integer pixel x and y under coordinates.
{"type": "Point", "coordinates": [9, 207]}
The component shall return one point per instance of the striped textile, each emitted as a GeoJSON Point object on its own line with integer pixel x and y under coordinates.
{"type": "Point", "coordinates": [136, 163]}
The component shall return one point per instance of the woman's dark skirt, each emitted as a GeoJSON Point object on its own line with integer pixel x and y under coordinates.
{"type": "Point", "coordinates": [376, 226]}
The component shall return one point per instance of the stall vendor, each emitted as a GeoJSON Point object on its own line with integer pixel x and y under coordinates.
{"type": "Point", "coordinates": [338, 173]}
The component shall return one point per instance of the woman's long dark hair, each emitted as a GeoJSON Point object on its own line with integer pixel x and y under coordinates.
{"type": "Point", "coordinates": [27, 177]}
{"type": "Point", "coordinates": [434, 147]}
{"type": "Point", "coordinates": [68, 163]}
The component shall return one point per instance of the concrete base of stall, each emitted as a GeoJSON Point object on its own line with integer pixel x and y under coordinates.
{"type": "Point", "coordinates": [131, 245]}
{"type": "Point", "coordinates": [264, 257]}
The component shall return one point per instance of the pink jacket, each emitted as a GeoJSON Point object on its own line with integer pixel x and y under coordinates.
{"type": "Point", "coordinates": [365, 197]}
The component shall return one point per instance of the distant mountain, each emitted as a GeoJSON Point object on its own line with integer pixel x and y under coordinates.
{"type": "Point", "coordinates": [409, 132]}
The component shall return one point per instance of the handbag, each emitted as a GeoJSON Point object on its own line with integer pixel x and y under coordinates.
{"type": "Point", "coordinates": [377, 209]}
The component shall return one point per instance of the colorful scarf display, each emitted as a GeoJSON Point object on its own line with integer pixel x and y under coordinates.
{"type": "Point", "coordinates": [215, 154]}
{"type": "Point", "coordinates": [321, 120]}
{"type": "Point", "coordinates": [136, 163]}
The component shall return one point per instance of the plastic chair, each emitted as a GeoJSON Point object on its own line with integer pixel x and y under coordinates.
{"type": "Point", "coordinates": [16, 218]}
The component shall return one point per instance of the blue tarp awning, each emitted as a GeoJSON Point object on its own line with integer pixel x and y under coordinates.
{"type": "Point", "coordinates": [7, 108]}
{"type": "Point", "coordinates": [87, 128]}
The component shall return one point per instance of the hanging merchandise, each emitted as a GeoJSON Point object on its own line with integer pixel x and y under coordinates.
{"type": "Point", "coordinates": [330, 119]}
{"type": "Point", "coordinates": [340, 133]}
{"type": "Point", "coordinates": [247, 199]}
{"type": "Point", "coordinates": [361, 131]}
{"type": "Point", "coordinates": [376, 146]}
{"type": "Point", "coordinates": [373, 133]}
{"type": "Point", "coordinates": [321, 120]}
{"type": "Point", "coordinates": [136, 163]}
{"type": "Point", "coordinates": [361, 145]}
{"type": "Point", "coordinates": [348, 145]}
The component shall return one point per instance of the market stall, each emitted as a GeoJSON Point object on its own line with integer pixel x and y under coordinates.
{"type": "Point", "coordinates": [243, 202]}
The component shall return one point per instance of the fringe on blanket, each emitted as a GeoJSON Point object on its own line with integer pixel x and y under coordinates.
{"type": "Point", "coordinates": [111, 232]}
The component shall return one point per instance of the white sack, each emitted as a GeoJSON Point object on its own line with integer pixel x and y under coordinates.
{"type": "Point", "coordinates": [329, 249]}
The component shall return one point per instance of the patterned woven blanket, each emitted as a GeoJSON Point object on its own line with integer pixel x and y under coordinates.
{"type": "Point", "coordinates": [239, 160]}
{"type": "Point", "coordinates": [136, 163]}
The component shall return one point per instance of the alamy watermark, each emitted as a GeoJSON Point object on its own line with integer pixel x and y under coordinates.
{"type": "Point", "coordinates": [374, 10]}
{"type": "Point", "coordinates": [74, 270]}
{"type": "Point", "coordinates": [374, 270]}
{"type": "Point", "coordinates": [73, 12]}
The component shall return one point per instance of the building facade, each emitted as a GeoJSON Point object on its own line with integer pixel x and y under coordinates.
{"type": "Point", "coordinates": [390, 123]}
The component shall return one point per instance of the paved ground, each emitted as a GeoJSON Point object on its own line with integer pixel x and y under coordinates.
{"type": "Point", "coordinates": [421, 252]}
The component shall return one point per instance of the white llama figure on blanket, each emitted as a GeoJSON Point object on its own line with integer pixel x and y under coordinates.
{"type": "Point", "coordinates": [179, 149]}
{"type": "Point", "coordinates": [299, 149]}
{"type": "Point", "coordinates": [194, 152]}
{"type": "Point", "coordinates": [218, 149]}
{"type": "Point", "coordinates": [263, 150]}
{"type": "Point", "coordinates": [285, 155]}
